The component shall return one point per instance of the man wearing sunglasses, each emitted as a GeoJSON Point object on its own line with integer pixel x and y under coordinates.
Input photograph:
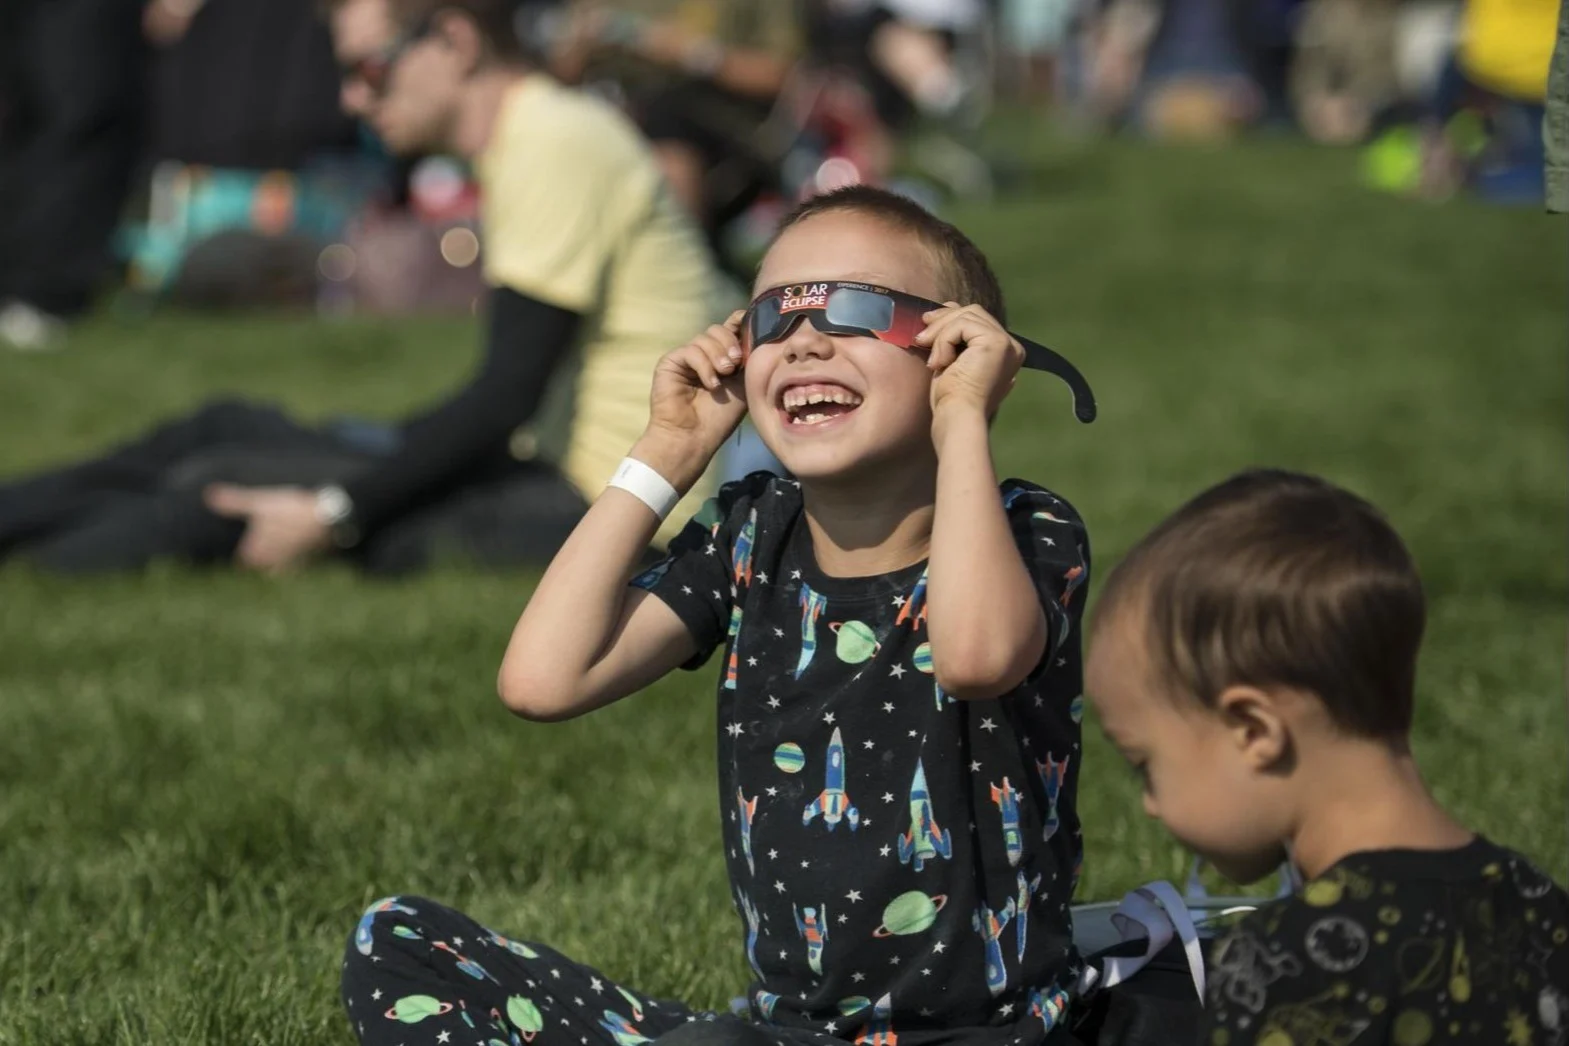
{"type": "Point", "coordinates": [596, 272]}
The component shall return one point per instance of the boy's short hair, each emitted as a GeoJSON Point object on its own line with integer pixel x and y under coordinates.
{"type": "Point", "coordinates": [965, 274]}
{"type": "Point", "coordinates": [1275, 578]}
{"type": "Point", "coordinates": [496, 21]}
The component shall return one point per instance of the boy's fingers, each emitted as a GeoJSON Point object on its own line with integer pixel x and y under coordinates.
{"type": "Point", "coordinates": [727, 338]}
{"type": "Point", "coordinates": [733, 323]}
{"type": "Point", "coordinates": [724, 357]}
{"type": "Point", "coordinates": [697, 361]}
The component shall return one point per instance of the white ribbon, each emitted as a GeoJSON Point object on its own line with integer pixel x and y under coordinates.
{"type": "Point", "coordinates": [1158, 913]}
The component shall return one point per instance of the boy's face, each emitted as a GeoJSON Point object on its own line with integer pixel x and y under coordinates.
{"type": "Point", "coordinates": [1197, 777]}
{"type": "Point", "coordinates": [874, 399]}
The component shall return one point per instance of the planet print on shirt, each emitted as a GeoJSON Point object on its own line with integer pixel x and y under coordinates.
{"type": "Point", "coordinates": [411, 1009]}
{"type": "Point", "coordinates": [856, 642]}
{"type": "Point", "coordinates": [912, 912]}
{"type": "Point", "coordinates": [789, 758]}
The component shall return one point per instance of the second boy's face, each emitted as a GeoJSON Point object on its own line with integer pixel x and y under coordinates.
{"type": "Point", "coordinates": [829, 406]}
{"type": "Point", "coordinates": [1195, 781]}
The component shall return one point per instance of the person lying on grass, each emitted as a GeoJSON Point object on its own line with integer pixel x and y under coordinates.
{"type": "Point", "coordinates": [898, 703]}
{"type": "Point", "coordinates": [1254, 660]}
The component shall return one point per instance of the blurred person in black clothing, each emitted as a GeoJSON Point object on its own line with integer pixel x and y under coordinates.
{"type": "Point", "coordinates": [243, 84]}
{"type": "Point", "coordinates": [70, 131]}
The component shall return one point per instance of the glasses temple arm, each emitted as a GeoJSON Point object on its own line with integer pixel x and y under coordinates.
{"type": "Point", "coordinates": [1039, 357]}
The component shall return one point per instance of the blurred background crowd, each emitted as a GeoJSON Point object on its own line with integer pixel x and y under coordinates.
{"type": "Point", "coordinates": [195, 151]}
{"type": "Point", "coordinates": [379, 157]}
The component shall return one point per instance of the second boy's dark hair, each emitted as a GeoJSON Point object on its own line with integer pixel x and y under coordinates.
{"type": "Point", "coordinates": [967, 276]}
{"type": "Point", "coordinates": [1276, 578]}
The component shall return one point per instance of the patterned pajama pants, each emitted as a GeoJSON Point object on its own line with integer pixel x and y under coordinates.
{"type": "Point", "coordinates": [419, 974]}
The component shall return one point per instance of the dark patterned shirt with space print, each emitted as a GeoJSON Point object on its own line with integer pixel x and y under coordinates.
{"type": "Point", "coordinates": [902, 862]}
{"type": "Point", "coordinates": [1404, 947]}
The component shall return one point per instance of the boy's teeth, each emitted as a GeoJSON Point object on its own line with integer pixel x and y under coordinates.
{"type": "Point", "coordinates": [795, 400]}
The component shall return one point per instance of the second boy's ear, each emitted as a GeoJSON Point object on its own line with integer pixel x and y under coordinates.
{"type": "Point", "coordinates": [1256, 723]}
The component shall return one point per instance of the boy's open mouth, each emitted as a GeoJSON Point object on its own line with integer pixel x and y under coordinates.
{"type": "Point", "coordinates": [816, 403]}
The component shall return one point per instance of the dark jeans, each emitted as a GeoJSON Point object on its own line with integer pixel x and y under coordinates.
{"type": "Point", "coordinates": [142, 502]}
{"type": "Point", "coordinates": [71, 88]}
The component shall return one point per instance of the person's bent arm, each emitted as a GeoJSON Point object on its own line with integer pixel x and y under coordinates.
{"type": "Point", "coordinates": [587, 637]}
{"type": "Point", "coordinates": [527, 341]}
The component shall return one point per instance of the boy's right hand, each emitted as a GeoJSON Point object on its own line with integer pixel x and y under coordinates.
{"type": "Point", "coordinates": [698, 399]}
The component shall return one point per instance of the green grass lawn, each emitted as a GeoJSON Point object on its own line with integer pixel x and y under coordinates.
{"type": "Point", "coordinates": [204, 779]}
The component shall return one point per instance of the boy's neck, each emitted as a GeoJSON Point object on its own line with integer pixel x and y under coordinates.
{"type": "Point", "coordinates": [1366, 795]}
{"type": "Point", "coordinates": [866, 526]}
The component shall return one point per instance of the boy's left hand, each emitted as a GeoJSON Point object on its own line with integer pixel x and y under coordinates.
{"type": "Point", "coordinates": [979, 376]}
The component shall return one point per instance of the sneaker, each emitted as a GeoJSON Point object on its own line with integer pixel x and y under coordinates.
{"type": "Point", "coordinates": [28, 329]}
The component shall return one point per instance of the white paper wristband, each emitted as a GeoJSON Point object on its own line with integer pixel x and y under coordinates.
{"type": "Point", "coordinates": [647, 486]}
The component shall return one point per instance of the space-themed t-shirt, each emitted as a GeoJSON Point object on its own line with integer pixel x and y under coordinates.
{"type": "Point", "coordinates": [1406, 947]}
{"type": "Point", "coordinates": [902, 861]}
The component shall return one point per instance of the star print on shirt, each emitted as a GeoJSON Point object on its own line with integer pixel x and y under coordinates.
{"type": "Point", "coordinates": [445, 1036]}
{"type": "Point", "coordinates": [975, 766]}
{"type": "Point", "coordinates": [843, 918]}
{"type": "Point", "coordinates": [773, 702]}
{"type": "Point", "coordinates": [734, 729]}
{"type": "Point", "coordinates": [870, 744]}
{"type": "Point", "coordinates": [853, 895]}
{"type": "Point", "coordinates": [779, 886]}
{"type": "Point", "coordinates": [988, 725]}
{"type": "Point", "coordinates": [772, 792]}
{"type": "Point", "coordinates": [828, 717]}
{"type": "Point", "coordinates": [762, 578]}
{"type": "Point", "coordinates": [858, 977]}
{"type": "Point", "coordinates": [778, 633]}
{"type": "Point", "coordinates": [831, 1027]}
{"type": "Point", "coordinates": [898, 601]}
{"type": "Point", "coordinates": [897, 671]}
{"type": "Point", "coordinates": [939, 948]}
{"type": "Point", "coordinates": [1006, 1009]}
{"type": "Point", "coordinates": [596, 984]}
{"type": "Point", "coordinates": [752, 661]}
{"type": "Point", "coordinates": [375, 995]}
{"type": "Point", "coordinates": [773, 855]}
{"type": "Point", "coordinates": [887, 797]}
{"type": "Point", "coordinates": [885, 851]}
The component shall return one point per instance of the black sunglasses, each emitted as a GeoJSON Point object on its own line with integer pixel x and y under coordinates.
{"type": "Point", "coordinates": [375, 71]}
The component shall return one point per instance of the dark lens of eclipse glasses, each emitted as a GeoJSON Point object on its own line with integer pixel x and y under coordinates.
{"type": "Point", "coordinates": [848, 307]}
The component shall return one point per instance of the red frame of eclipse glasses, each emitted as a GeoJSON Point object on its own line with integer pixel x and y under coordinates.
{"type": "Point", "coordinates": [842, 307]}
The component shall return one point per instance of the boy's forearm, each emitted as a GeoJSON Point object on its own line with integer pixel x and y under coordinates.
{"type": "Point", "coordinates": [576, 610]}
{"type": "Point", "coordinates": [985, 620]}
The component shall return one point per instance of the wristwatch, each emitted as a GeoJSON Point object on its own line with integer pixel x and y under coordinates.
{"type": "Point", "coordinates": [335, 511]}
